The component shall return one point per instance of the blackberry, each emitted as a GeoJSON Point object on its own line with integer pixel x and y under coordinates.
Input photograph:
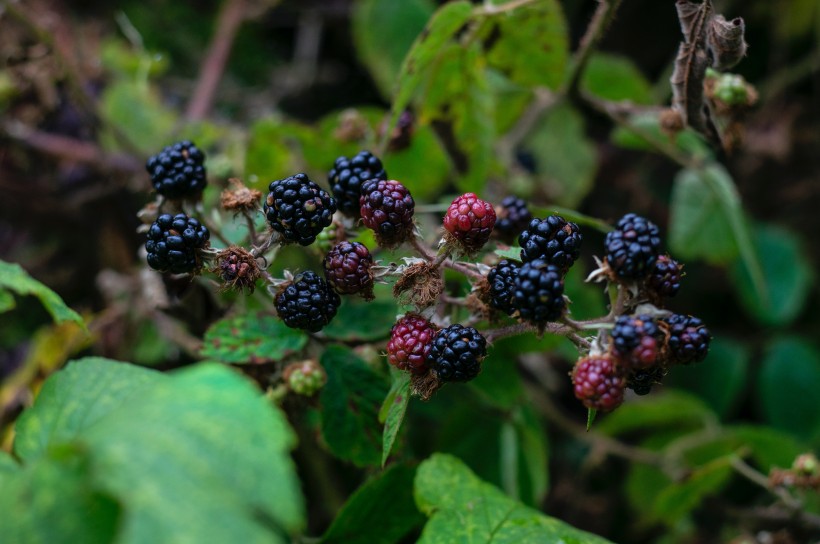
{"type": "Point", "coordinates": [347, 176]}
{"type": "Point", "coordinates": [307, 303]}
{"type": "Point", "coordinates": [664, 279]}
{"type": "Point", "coordinates": [513, 218]}
{"type": "Point", "coordinates": [632, 248]}
{"type": "Point", "coordinates": [598, 382]}
{"type": "Point", "coordinates": [538, 292]}
{"type": "Point", "coordinates": [552, 239]}
{"type": "Point", "coordinates": [178, 171]}
{"type": "Point", "coordinates": [688, 339]}
{"type": "Point", "coordinates": [387, 209]}
{"type": "Point", "coordinates": [470, 221]}
{"type": "Point", "coordinates": [410, 342]}
{"type": "Point", "coordinates": [456, 353]}
{"type": "Point", "coordinates": [348, 269]}
{"type": "Point", "coordinates": [298, 209]}
{"type": "Point", "coordinates": [502, 285]}
{"type": "Point", "coordinates": [636, 341]}
{"type": "Point", "coordinates": [641, 381]}
{"type": "Point", "coordinates": [174, 242]}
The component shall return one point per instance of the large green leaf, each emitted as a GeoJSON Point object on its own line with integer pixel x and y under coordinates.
{"type": "Point", "coordinates": [566, 158]}
{"type": "Point", "coordinates": [384, 31]}
{"type": "Point", "coordinates": [643, 129]}
{"type": "Point", "coordinates": [462, 508]}
{"type": "Point", "coordinates": [426, 50]}
{"type": "Point", "coordinates": [614, 77]}
{"type": "Point", "coordinates": [350, 407]}
{"type": "Point", "coordinates": [16, 280]}
{"type": "Point", "coordinates": [270, 154]}
{"type": "Point", "coordinates": [787, 386]}
{"type": "Point", "coordinates": [680, 498]}
{"type": "Point", "coordinates": [529, 44]}
{"type": "Point", "coordinates": [52, 501]}
{"type": "Point", "coordinates": [787, 275]}
{"type": "Point", "coordinates": [196, 455]}
{"type": "Point", "coordinates": [671, 409]}
{"type": "Point", "coordinates": [387, 498]}
{"type": "Point", "coordinates": [707, 221]}
{"type": "Point", "coordinates": [251, 339]}
{"type": "Point", "coordinates": [393, 410]}
{"type": "Point", "coordinates": [426, 178]}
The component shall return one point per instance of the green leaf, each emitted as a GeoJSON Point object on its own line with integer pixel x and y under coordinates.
{"type": "Point", "coordinates": [270, 153]}
{"type": "Point", "coordinates": [529, 44]}
{"type": "Point", "coordinates": [359, 321]}
{"type": "Point", "coordinates": [671, 409]}
{"type": "Point", "coordinates": [393, 410]}
{"type": "Point", "coordinates": [137, 112]}
{"type": "Point", "coordinates": [386, 498]}
{"type": "Point", "coordinates": [567, 159]}
{"type": "Point", "coordinates": [462, 508]}
{"type": "Point", "coordinates": [251, 339]}
{"type": "Point", "coordinates": [350, 407]}
{"type": "Point", "coordinates": [7, 465]}
{"type": "Point", "coordinates": [616, 78]}
{"type": "Point", "coordinates": [707, 221]}
{"type": "Point", "coordinates": [679, 499]}
{"type": "Point", "coordinates": [533, 449]}
{"type": "Point", "coordinates": [787, 386]}
{"type": "Point", "coordinates": [425, 179]}
{"type": "Point", "coordinates": [425, 52]}
{"type": "Point", "coordinates": [52, 501]}
{"type": "Point", "coordinates": [16, 280]}
{"type": "Point", "coordinates": [196, 455]}
{"type": "Point", "coordinates": [720, 379]}
{"type": "Point", "coordinates": [591, 413]}
{"type": "Point", "coordinates": [647, 125]}
{"type": "Point", "coordinates": [769, 447]}
{"type": "Point", "coordinates": [384, 31]}
{"type": "Point", "coordinates": [499, 383]}
{"type": "Point", "coordinates": [513, 253]}
{"type": "Point", "coordinates": [6, 301]}
{"type": "Point", "coordinates": [787, 275]}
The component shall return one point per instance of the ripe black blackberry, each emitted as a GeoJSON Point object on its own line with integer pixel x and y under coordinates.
{"type": "Point", "coordinates": [636, 341]}
{"type": "Point", "coordinates": [387, 209]}
{"type": "Point", "coordinates": [502, 285]}
{"type": "Point", "coordinates": [307, 303]}
{"type": "Point", "coordinates": [688, 339]}
{"type": "Point", "coordinates": [663, 280]}
{"type": "Point", "coordinates": [513, 217]}
{"type": "Point", "coordinates": [456, 353]}
{"type": "Point", "coordinates": [298, 209]}
{"type": "Point", "coordinates": [642, 380]}
{"type": "Point", "coordinates": [553, 239]}
{"type": "Point", "coordinates": [632, 248]}
{"type": "Point", "coordinates": [598, 382]}
{"type": "Point", "coordinates": [348, 268]}
{"type": "Point", "coordinates": [347, 176]}
{"type": "Point", "coordinates": [538, 292]}
{"type": "Point", "coordinates": [174, 242]}
{"type": "Point", "coordinates": [178, 171]}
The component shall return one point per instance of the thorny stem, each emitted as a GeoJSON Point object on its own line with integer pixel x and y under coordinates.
{"type": "Point", "coordinates": [252, 235]}
{"type": "Point", "coordinates": [601, 19]}
{"type": "Point", "coordinates": [424, 251]}
{"type": "Point", "coordinates": [742, 468]}
{"type": "Point", "coordinates": [463, 269]}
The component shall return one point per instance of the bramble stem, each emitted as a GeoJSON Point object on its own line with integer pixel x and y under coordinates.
{"type": "Point", "coordinates": [601, 19]}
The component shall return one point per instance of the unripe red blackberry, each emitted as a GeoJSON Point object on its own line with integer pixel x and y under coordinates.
{"type": "Point", "coordinates": [632, 248]}
{"type": "Point", "coordinates": [348, 269]}
{"type": "Point", "coordinates": [538, 293]}
{"type": "Point", "coordinates": [386, 207]}
{"type": "Point", "coordinates": [553, 239]}
{"type": "Point", "coordinates": [513, 216]}
{"type": "Point", "coordinates": [307, 303]}
{"type": "Point", "coordinates": [178, 171]}
{"type": "Point", "coordinates": [663, 280]}
{"type": "Point", "coordinates": [636, 341]}
{"type": "Point", "coordinates": [410, 341]}
{"type": "Point", "coordinates": [470, 221]}
{"type": "Point", "coordinates": [456, 353]}
{"type": "Point", "coordinates": [298, 209]}
{"type": "Point", "coordinates": [688, 339]}
{"type": "Point", "coordinates": [598, 382]}
{"type": "Point", "coordinates": [347, 176]}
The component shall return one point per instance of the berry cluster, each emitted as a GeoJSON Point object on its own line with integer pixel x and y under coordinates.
{"type": "Point", "coordinates": [634, 350]}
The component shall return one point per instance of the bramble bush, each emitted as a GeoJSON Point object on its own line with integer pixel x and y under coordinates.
{"type": "Point", "coordinates": [395, 325]}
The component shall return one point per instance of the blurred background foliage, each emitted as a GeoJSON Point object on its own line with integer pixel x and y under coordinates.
{"type": "Point", "coordinates": [88, 90]}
